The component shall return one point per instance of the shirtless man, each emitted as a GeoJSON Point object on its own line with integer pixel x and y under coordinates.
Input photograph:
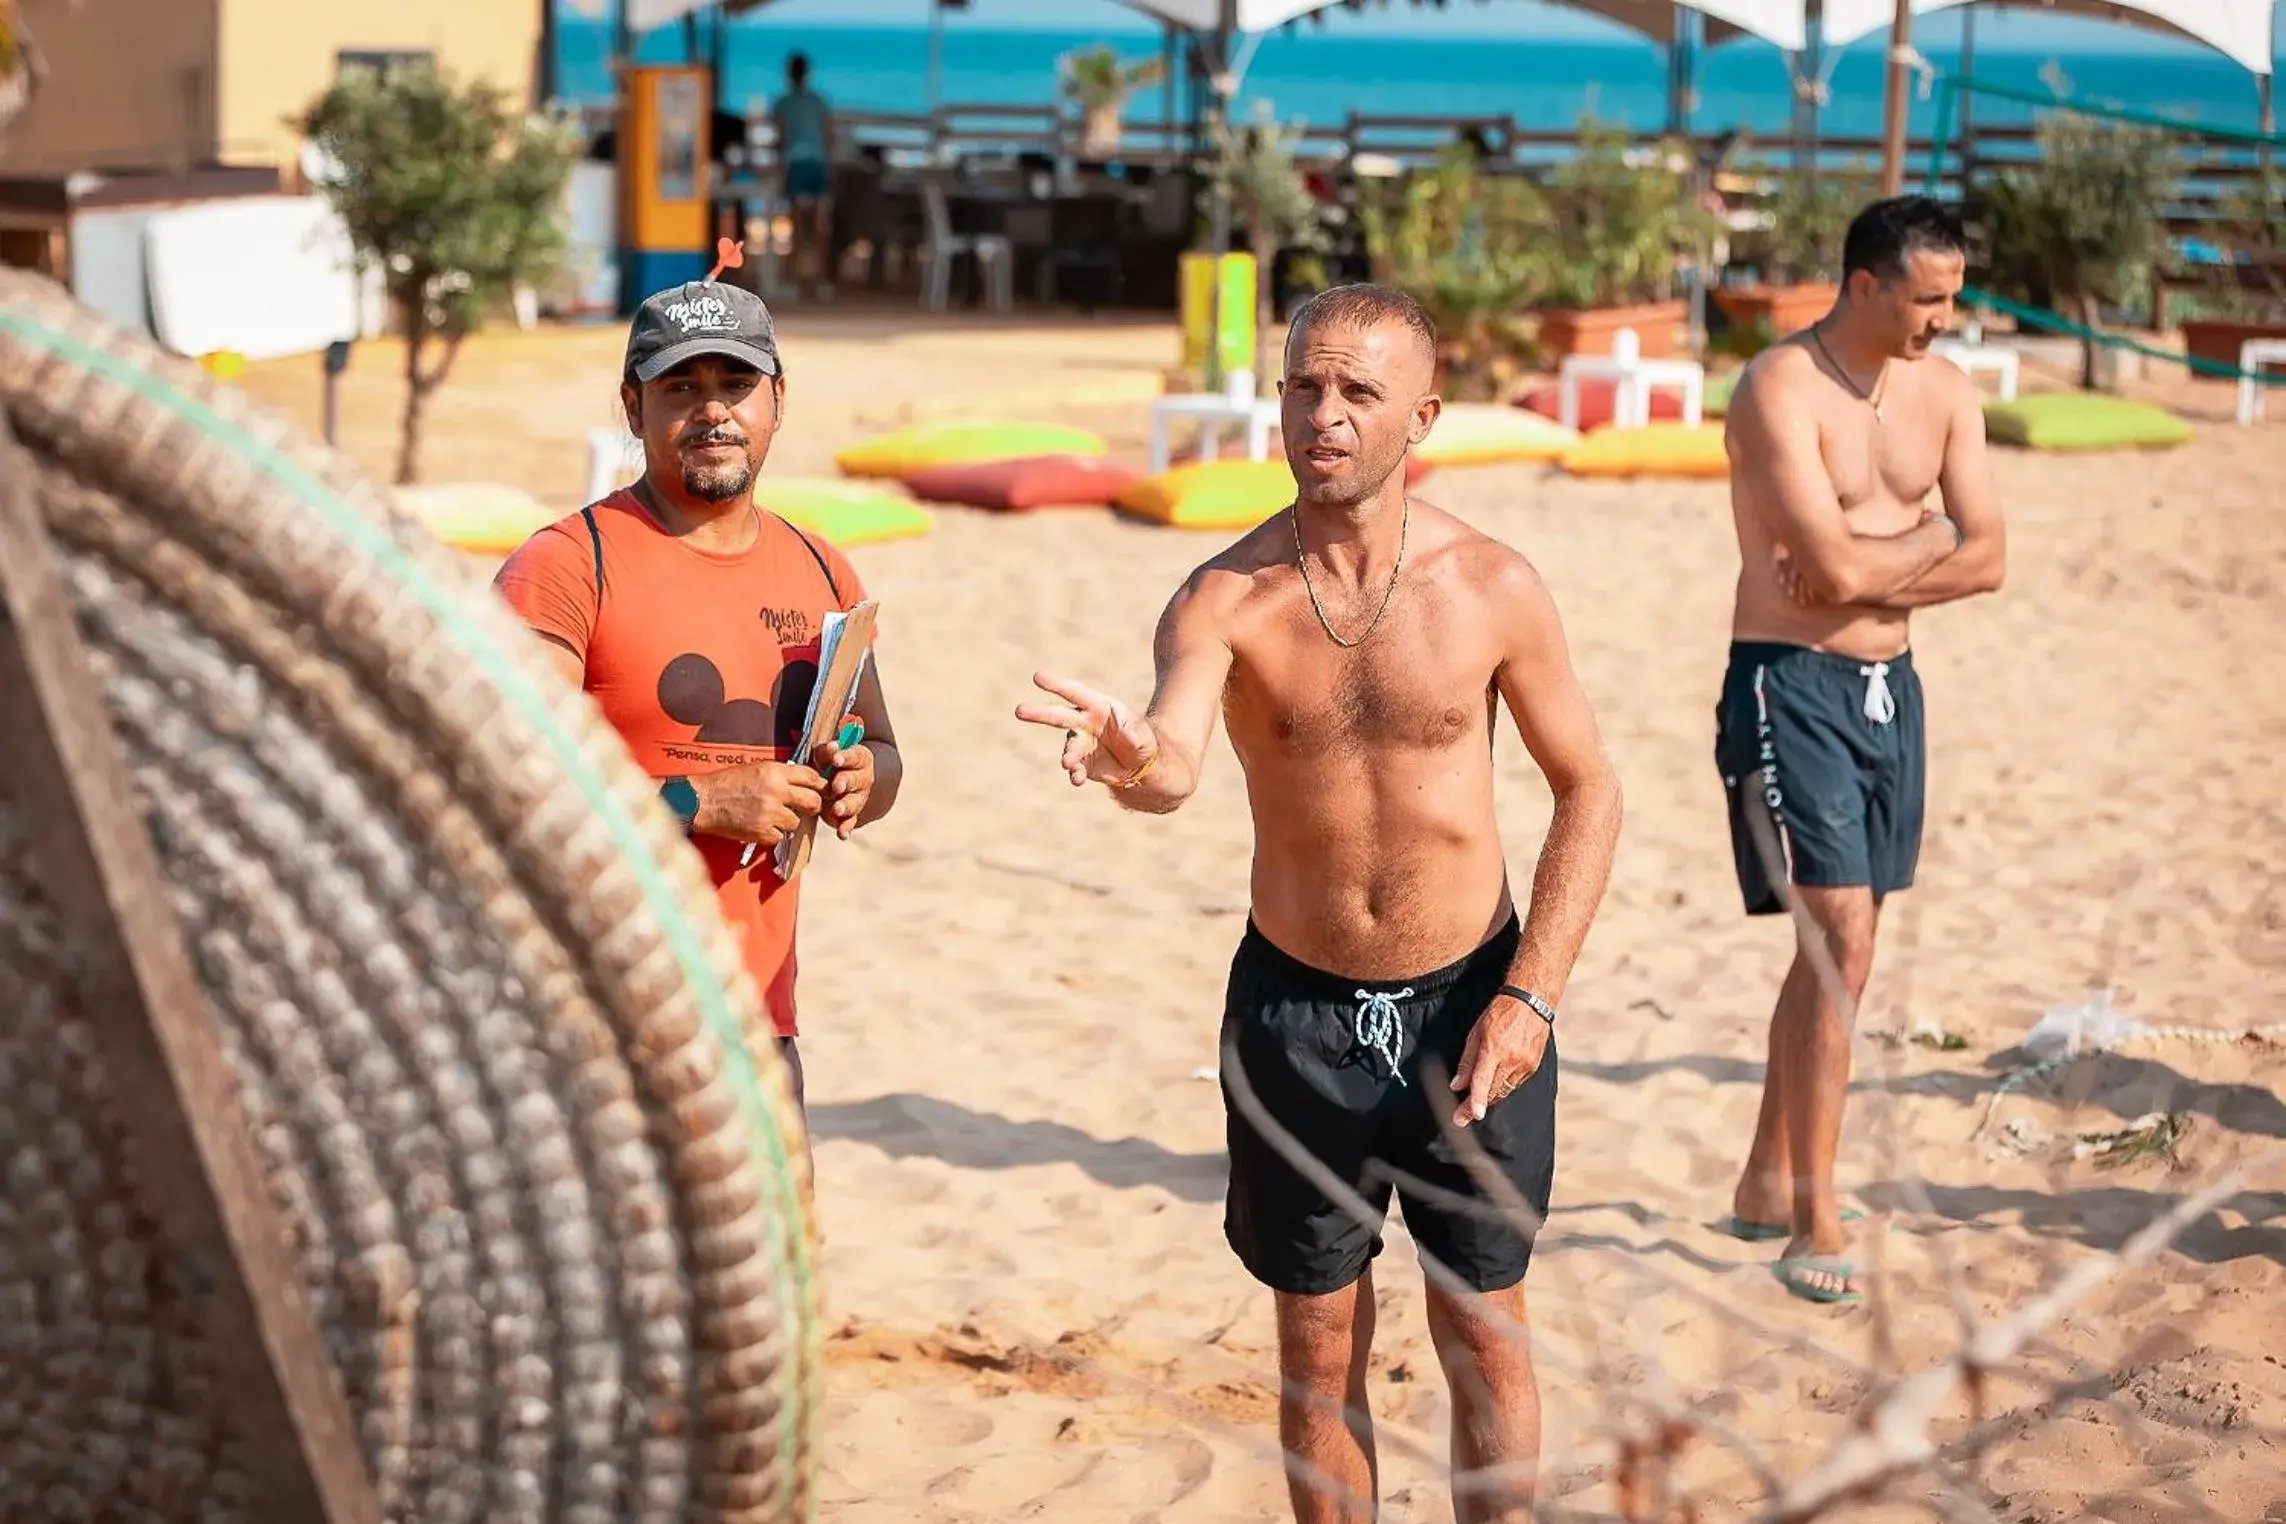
{"type": "Point", "coordinates": [1356, 644]}
{"type": "Point", "coordinates": [1836, 438]}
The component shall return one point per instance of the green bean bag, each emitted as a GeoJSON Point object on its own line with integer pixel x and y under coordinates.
{"type": "Point", "coordinates": [1481, 433]}
{"type": "Point", "coordinates": [924, 445]}
{"type": "Point", "coordinates": [2083, 421]}
{"type": "Point", "coordinates": [480, 518]}
{"type": "Point", "coordinates": [846, 513]}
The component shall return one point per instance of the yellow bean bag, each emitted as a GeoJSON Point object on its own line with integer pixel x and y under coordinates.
{"type": "Point", "coordinates": [1662, 449]}
{"type": "Point", "coordinates": [2083, 421]}
{"type": "Point", "coordinates": [478, 517]}
{"type": "Point", "coordinates": [1472, 433]}
{"type": "Point", "coordinates": [1212, 494]}
{"type": "Point", "coordinates": [845, 513]}
{"type": "Point", "coordinates": [959, 444]}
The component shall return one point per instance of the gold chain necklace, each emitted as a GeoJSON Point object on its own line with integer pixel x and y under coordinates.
{"type": "Point", "coordinates": [1863, 395]}
{"type": "Point", "coordinates": [1404, 525]}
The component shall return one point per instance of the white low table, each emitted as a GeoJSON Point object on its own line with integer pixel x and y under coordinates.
{"type": "Point", "coordinates": [1257, 415]}
{"type": "Point", "coordinates": [1973, 358]}
{"type": "Point", "coordinates": [1633, 379]}
{"type": "Point", "coordinates": [2253, 356]}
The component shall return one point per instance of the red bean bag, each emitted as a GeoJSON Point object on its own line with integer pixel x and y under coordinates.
{"type": "Point", "coordinates": [1029, 481]}
{"type": "Point", "coordinates": [1595, 403]}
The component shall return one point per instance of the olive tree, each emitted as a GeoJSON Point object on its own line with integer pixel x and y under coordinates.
{"type": "Point", "coordinates": [454, 196]}
{"type": "Point", "coordinates": [2077, 227]}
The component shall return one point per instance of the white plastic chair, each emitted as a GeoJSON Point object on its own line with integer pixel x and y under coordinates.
{"type": "Point", "coordinates": [1633, 379]}
{"type": "Point", "coordinates": [2253, 356]}
{"type": "Point", "coordinates": [611, 461]}
{"type": "Point", "coordinates": [1235, 403]}
{"type": "Point", "coordinates": [1973, 357]}
{"type": "Point", "coordinates": [995, 256]}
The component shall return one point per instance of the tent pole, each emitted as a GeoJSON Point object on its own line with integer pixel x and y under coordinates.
{"type": "Point", "coordinates": [1808, 67]}
{"type": "Point", "coordinates": [1225, 48]}
{"type": "Point", "coordinates": [1895, 98]}
{"type": "Point", "coordinates": [1964, 99]}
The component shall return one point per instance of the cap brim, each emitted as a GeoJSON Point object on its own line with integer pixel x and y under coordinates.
{"type": "Point", "coordinates": [691, 349]}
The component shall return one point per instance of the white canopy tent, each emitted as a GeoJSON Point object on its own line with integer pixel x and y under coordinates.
{"type": "Point", "coordinates": [2239, 29]}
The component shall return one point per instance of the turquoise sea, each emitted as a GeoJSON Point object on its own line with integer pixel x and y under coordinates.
{"type": "Point", "coordinates": [1319, 73]}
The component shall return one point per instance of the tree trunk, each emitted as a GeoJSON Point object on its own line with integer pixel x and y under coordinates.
{"type": "Point", "coordinates": [415, 302]}
{"type": "Point", "coordinates": [2087, 313]}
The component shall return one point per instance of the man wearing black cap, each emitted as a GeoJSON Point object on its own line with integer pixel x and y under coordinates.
{"type": "Point", "coordinates": [691, 615]}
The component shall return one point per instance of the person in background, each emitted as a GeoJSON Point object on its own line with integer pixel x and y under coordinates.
{"type": "Point", "coordinates": [692, 616]}
{"type": "Point", "coordinates": [1839, 437]}
{"type": "Point", "coordinates": [804, 126]}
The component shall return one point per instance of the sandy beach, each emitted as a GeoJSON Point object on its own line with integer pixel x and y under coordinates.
{"type": "Point", "coordinates": [1009, 987]}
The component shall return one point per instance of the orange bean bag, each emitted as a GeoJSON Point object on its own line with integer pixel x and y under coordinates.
{"type": "Point", "coordinates": [1026, 482]}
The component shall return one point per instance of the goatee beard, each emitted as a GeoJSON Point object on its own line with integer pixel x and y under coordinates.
{"type": "Point", "coordinates": [716, 484]}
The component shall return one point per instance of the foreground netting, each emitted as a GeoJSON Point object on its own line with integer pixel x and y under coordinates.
{"type": "Point", "coordinates": [549, 1202]}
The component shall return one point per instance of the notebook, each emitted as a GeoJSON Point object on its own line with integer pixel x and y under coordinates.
{"type": "Point", "coordinates": [843, 646]}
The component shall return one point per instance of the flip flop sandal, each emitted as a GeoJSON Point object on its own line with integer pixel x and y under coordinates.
{"type": "Point", "coordinates": [1768, 1232]}
{"type": "Point", "coordinates": [1793, 1275]}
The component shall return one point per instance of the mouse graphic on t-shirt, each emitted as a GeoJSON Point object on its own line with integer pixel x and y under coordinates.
{"type": "Point", "coordinates": [691, 693]}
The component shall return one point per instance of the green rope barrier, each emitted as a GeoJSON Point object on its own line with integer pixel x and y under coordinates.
{"type": "Point", "coordinates": [1973, 296]}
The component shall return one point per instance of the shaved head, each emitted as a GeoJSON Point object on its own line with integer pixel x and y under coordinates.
{"type": "Point", "coordinates": [1358, 392]}
{"type": "Point", "coordinates": [1366, 306]}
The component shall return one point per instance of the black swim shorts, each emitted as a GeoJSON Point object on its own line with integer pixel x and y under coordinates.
{"type": "Point", "coordinates": [1828, 750]}
{"type": "Point", "coordinates": [1337, 1064]}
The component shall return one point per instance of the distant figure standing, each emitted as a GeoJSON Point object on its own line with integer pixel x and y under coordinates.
{"type": "Point", "coordinates": [1837, 438]}
{"type": "Point", "coordinates": [804, 125]}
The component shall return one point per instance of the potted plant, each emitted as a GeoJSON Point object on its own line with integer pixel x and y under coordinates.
{"type": "Point", "coordinates": [2252, 305]}
{"type": "Point", "coordinates": [1621, 219]}
{"type": "Point", "coordinates": [1800, 253]}
{"type": "Point", "coordinates": [1254, 166]}
{"type": "Point", "coordinates": [2080, 225]}
{"type": "Point", "coordinates": [1100, 84]}
{"type": "Point", "coordinates": [1467, 246]}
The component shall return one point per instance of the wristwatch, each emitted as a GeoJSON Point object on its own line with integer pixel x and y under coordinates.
{"type": "Point", "coordinates": [1960, 535]}
{"type": "Point", "coordinates": [681, 797]}
{"type": "Point", "coordinates": [1534, 1003]}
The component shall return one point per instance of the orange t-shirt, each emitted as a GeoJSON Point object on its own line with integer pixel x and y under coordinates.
{"type": "Point", "coordinates": [700, 662]}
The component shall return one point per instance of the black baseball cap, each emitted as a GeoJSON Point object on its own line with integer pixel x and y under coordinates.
{"type": "Point", "coordinates": [700, 317]}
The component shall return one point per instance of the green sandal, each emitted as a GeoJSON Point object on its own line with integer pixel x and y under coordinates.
{"type": "Point", "coordinates": [1769, 1232]}
{"type": "Point", "coordinates": [1794, 1275]}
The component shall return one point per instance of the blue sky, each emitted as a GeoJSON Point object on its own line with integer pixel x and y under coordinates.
{"type": "Point", "coordinates": [1462, 18]}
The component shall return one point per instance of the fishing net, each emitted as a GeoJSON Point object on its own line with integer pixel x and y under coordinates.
{"type": "Point", "coordinates": [539, 1164]}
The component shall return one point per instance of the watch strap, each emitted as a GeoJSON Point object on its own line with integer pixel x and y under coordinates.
{"type": "Point", "coordinates": [681, 796]}
{"type": "Point", "coordinates": [1534, 1003]}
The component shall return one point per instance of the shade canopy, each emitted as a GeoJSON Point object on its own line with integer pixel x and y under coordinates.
{"type": "Point", "coordinates": [1774, 21]}
{"type": "Point", "coordinates": [2241, 30]}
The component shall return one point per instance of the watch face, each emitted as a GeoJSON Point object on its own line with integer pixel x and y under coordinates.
{"type": "Point", "coordinates": [681, 797]}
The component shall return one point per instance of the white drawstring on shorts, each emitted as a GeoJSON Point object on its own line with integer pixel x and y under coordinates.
{"type": "Point", "coordinates": [1880, 703]}
{"type": "Point", "coordinates": [1376, 1024]}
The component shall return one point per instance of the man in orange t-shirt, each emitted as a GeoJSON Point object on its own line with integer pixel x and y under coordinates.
{"type": "Point", "coordinates": [692, 617]}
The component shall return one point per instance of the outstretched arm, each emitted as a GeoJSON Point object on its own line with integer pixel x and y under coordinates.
{"type": "Point", "coordinates": [1150, 761]}
{"type": "Point", "coordinates": [1551, 711]}
{"type": "Point", "coordinates": [1973, 502]}
{"type": "Point", "coordinates": [1777, 463]}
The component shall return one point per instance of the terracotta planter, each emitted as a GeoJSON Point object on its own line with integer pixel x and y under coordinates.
{"type": "Point", "coordinates": [2218, 341]}
{"type": "Point", "coordinates": [1660, 329]}
{"type": "Point", "coordinates": [1775, 311]}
